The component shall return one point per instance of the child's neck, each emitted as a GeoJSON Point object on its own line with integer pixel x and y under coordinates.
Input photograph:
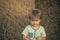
{"type": "Point", "coordinates": [35, 27]}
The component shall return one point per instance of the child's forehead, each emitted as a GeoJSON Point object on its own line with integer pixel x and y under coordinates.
{"type": "Point", "coordinates": [34, 18]}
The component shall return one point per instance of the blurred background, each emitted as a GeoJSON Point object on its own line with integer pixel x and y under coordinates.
{"type": "Point", "coordinates": [14, 17]}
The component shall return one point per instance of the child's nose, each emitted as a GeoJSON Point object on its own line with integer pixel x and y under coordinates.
{"type": "Point", "coordinates": [34, 22]}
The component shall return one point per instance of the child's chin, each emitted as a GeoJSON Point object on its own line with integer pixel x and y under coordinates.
{"type": "Point", "coordinates": [35, 25]}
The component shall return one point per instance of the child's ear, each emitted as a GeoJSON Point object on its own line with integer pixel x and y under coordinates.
{"type": "Point", "coordinates": [40, 20]}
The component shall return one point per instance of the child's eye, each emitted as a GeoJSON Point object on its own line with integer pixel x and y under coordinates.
{"type": "Point", "coordinates": [32, 20]}
{"type": "Point", "coordinates": [36, 20]}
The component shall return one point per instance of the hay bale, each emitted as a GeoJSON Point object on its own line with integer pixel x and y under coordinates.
{"type": "Point", "coordinates": [13, 18]}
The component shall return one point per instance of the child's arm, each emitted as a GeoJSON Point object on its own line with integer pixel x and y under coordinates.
{"type": "Point", "coordinates": [41, 38]}
{"type": "Point", "coordinates": [25, 34]}
{"type": "Point", "coordinates": [43, 35]}
{"type": "Point", "coordinates": [25, 37]}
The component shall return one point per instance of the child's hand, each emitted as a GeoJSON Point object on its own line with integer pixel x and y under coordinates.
{"type": "Point", "coordinates": [39, 38]}
{"type": "Point", "coordinates": [25, 37]}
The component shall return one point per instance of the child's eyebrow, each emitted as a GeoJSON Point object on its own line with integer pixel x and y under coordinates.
{"type": "Point", "coordinates": [34, 20]}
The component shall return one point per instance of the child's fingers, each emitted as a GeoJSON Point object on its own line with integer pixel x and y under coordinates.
{"type": "Point", "coordinates": [39, 38]}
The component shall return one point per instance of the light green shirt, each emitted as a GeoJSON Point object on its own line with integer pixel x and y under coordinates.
{"type": "Point", "coordinates": [32, 34]}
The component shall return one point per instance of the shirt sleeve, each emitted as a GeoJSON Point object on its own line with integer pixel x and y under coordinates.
{"type": "Point", "coordinates": [25, 31]}
{"type": "Point", "coordinates": [43, 32]}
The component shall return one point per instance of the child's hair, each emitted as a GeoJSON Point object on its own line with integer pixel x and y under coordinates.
{"type": "Point", "coordinates": [35, 13]}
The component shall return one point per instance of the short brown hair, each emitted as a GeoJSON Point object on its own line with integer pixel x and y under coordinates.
{"type": "Point", "coordinates": [35, 13]}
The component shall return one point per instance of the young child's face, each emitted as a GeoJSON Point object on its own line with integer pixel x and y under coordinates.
{"type": "Point", "coordinates": [35, 21]}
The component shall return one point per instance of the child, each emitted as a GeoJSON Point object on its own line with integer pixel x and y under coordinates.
{"type": "Point", "coordinates": [34, 31]}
